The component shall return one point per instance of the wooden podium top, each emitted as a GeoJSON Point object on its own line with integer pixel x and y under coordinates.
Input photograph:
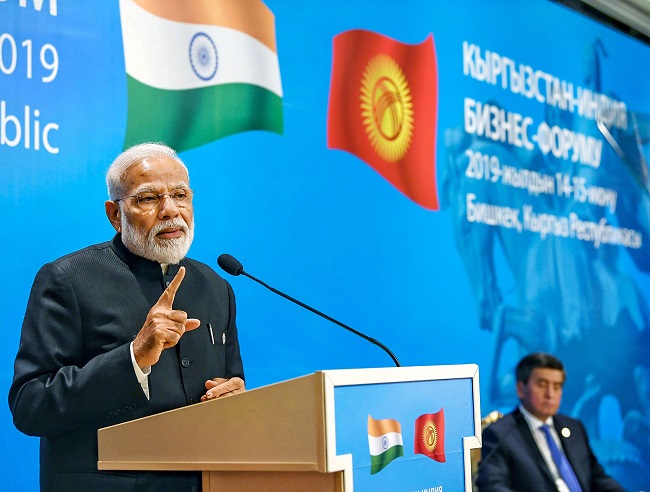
{"type": "Point", "coordinates": [277, 427]}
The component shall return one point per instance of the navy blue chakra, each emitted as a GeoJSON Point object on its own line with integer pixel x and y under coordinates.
{"type": "Point", "coordinates": [203, 56]}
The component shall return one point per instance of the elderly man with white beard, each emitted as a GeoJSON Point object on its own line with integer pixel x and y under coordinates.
{"type": "Point", "coordinates": [124, 329]}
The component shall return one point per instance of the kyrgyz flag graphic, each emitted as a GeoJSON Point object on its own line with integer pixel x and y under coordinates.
{"type": "Point", "coordinates": [383, 109]}
{"type": "Point", "coordinates": [199, 70]}
{"type": "Point", "coordinates": [430, 435]}
{"type": "Point", "coordinates": [385, 442]}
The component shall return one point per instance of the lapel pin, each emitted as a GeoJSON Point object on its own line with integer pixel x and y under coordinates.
{"type": "Point", "coordinates": [566, 432]}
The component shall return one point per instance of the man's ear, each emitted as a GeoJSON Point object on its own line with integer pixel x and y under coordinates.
{"type": "Point", "coordinates": [520, 390]}
{"type": "Point", "coordinates": [114, 214]}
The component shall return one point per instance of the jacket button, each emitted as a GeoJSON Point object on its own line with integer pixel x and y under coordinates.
{"type": "Point", "coordinates": [185, 362]}
{"type": "Point", "coordinates": [167, 283]}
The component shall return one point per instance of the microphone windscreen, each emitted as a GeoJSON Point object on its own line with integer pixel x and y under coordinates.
{"type": "Point", "coordinates": [230, 264]}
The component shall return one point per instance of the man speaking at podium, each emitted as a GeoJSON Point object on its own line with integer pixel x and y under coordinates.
{"type": "Point", "coordinates": [124, 329]}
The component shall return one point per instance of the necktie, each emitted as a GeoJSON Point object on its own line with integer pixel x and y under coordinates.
{"type": "Point", "coordinates": [563, 465]}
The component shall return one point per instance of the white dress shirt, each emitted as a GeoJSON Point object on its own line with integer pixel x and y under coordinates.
{"type": "Point", "coordinates": [540, 438]}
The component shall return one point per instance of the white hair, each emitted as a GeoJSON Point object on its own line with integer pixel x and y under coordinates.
{"type": "Point", "coordinates": [134, 155]}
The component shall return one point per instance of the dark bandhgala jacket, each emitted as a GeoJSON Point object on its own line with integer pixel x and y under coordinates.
{"type": "Point", "coordinates": [73, 373]}
{"type": "Point", "coordinates": [511, 460]}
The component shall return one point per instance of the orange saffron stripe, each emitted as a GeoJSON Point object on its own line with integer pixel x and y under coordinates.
{"type": "Point", "coordinates": [378, 428]}
{"type": "Point", "coordinates": [249, 16]}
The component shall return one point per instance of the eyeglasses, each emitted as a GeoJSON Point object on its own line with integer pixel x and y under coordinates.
{"type": "Point", "coordinates": [150, 201]}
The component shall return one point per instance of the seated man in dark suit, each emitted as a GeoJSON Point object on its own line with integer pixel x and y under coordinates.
{"type": "Point", "coordinates": [124, 329]}
{"type": "Point", "coordinates": [535, 449]}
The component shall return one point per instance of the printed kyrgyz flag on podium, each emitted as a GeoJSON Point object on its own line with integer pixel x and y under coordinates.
{"type": "Point", "coordinates": [199, 70]}
{"type": "Point", "coordinates": [429, 436]}
{"type": "Point", "coordinates": [383, 109]}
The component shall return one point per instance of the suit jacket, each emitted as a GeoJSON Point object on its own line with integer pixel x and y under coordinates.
{"type": "Point", "coordinates": [73, 373]}
{"type": "Point", "coordinates": [511, 460]}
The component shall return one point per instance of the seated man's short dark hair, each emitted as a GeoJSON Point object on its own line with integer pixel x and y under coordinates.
{"type": "Point", "coordinates": [536, 360]}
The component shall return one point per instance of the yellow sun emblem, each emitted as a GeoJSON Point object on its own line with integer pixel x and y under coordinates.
{"type": "Point", "coordinates": [430, 436]}
{"type": "Point", "coordinates": [387, 108]}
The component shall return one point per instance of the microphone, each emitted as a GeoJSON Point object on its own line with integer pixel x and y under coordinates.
{"type": "Point", "coordinates": [231, 265]}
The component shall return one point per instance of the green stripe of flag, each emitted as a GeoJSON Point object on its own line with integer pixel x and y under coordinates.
{"type": "Point", "coordinates": [185, 119]}
{"type": "Point", "coordinates": [379, 462]}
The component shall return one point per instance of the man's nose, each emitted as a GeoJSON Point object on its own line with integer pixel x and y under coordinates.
{"type": "Point", "coordinates": [168, 207]}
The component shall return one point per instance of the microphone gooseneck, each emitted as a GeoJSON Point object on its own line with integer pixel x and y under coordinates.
{"type": "Point", "coordinates": [232, 266]}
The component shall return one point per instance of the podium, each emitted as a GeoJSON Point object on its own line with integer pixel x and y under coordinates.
{"type": "Point", "coordinates": [314, 433]}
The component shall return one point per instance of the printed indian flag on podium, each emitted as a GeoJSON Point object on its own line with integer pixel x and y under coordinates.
{"type": "Point", "coordinates": [385, 442]}
{"type": "Point", "coordinates": [383, 109]}
{"type": "Point", "coordinates": [199, 70]}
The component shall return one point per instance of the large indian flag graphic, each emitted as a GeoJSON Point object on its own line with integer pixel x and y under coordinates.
{"type": "Point", "coordinates": [199, 70]}
{"type": "Point", "coordinates": [385, 442]}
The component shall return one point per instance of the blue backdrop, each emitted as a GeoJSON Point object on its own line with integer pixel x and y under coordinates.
{"type": "Point", "coordinates": [438, 287]}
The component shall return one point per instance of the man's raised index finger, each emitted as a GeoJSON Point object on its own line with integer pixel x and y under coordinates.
{"type": "Point", "coordinates": [167, 297]}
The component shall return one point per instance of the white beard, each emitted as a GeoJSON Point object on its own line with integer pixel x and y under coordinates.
{"type": "Point", "coordinates": [147, 245]}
